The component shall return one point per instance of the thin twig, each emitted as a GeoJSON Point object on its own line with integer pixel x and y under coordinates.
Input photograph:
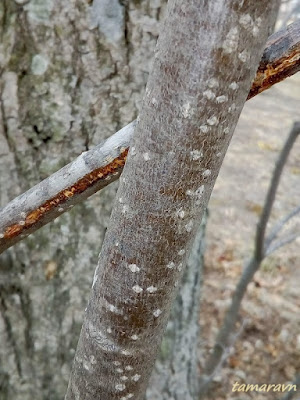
{"type": "Point", "coordinates": [262, 224]}
{"type": "Point", "coordinates": [98, 167]}
{"type": "Point", "coordinates": [228, 325]}
{"type": "Point", "coordinates": [281, 242]}
{"type": "Point", "coordinates": [279, 225]}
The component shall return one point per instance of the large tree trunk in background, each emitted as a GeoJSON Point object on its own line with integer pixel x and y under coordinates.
{"type": "Point", "coordinates": [59, 81]}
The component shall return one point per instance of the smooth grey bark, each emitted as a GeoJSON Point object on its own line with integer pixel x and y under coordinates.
{"type": "Point", "coordinates": [60, 81]}
{"type": "Point", "coordinates": [185, 127]}
{"type": "Point", "coordinates": [176, 372]}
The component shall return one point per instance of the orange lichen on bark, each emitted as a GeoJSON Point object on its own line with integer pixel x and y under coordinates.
{"type": "Point", "coordinates": [35, 216]}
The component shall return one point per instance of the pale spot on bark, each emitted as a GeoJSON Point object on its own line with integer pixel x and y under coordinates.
{"type": "Point", "coordinates": [157, 313]}
{"type": "Point", "coordinates": [137, 289]}
{"type": "Point", "coordinates": [1, 235]}
{"type": "Point", "coordinates": [199, 193]}
{"type": "Point", "coordinates": [151, 289]}
{"type": "Point", "coordinates": [128, 368]}
{"type": "Point", "coordinates": [39, 64]}
{"type": "Point", "coordinates": [109, 330]}
{"type": "Point", "coordinates": [117, 244]}
{"type": "Point", "coordinates": [146, 156]}
{"type": "Point", "coordinates": [232, 107]}
{"type": "Point", "coordinates": [170, 265]}
{"type": "Point", "coordinates": [226, 130]}
{"type": "Point", "coordinates": [135, 377]}
{"type": "Point", "coordinates": [230, 44]}
{"type": "Point", "coordinates": [134, 337]}
{"type": "Point", "coordinates": [132, 151]}
{"type": "Point", "coordinates": [180, 213]}
{"type": "Point", "coordinates": [125, 209]}
{"type": "Point", "coordinates": [179, 267]}
{"type": "Point", "coordinates": [108, 178]}
{"type": "Point", "coordinates": [221, 99]}
{"type": "Point", "coordinates": [189, 192]}
{"type": "Point", "coordinates": [133, 268]}
{"type": "Point", "coordinates": [209, 94]}
{"type": "Point", "coordinates": [196, 155]}
{"type": "Point", "coordinates": [219, 154]}
{"type": "Point", "coordinates": [121, 200]}
{"type": "Point", "coordinates": [120, 387]}
{"type": "Point", "coordinates": [86, 366]}
{"type": "Point", "coordinates": [125, 352]}
{"type": "Point", "coordinates": [181, 252]}
{"type": "Point", "coordinates": [189, 226]}
{"type": "Point", "coordinates": [213, 83]}
{"type": "Point", "coordinates": [154, 101]}
{"type": "Point", "coordinates": [129, 396]}
{"type": "Point", "coordinates": [119, 370]}
{"type": "Point", "coordinates": [124, 378]}
{"type": "Point", "coordinates": [23, 214]}
{"type": "Point", "coordinates": [187, 110]}
{"type": "Point", "coordinates": [255, 31]}
{"type": "Point", "coordinates": [113, 309]}
{"type": "Point", "coordinates": [60, 209]}
{"type": "Point", "coordinates": [258, 21]}
{"type": "Point", "coordinates": [213, 120]}
{"type": "Point", "coordinates": [246, 21]}
{"type": "Point", "coordinates": [204, 128]}
{"type": "Point", "coordinates": [117, 363]}
{"type": "Point", "coordinates": [22, 222]}
{"type": "Point", "coordinates": [93, 360]}
{"type": "Point", "coordinates": [244, 56]}
{"type": "Point", "coordinates": [206, 173]}
{"type": "Point", "coordinates": [233, 86]}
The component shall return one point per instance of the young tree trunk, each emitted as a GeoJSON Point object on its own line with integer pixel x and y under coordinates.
{"type": "Point", "coordinates": [60, 81]}
{"type": "Point", "coordinates": [205, 61]}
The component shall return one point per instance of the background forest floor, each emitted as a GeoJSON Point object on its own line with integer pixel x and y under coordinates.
{"type": "Point", "coordinates": [267, 349]}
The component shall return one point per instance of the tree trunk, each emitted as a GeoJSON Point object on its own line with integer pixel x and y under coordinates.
{"type": "Point", "coordinates": [60, 81]}
{"type": "Point", "coordinates": [176, 372]}
{"type": "Point", "coordinates": [193, 99]}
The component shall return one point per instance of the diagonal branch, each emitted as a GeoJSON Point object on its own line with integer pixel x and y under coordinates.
{"type": "Point", "coordinates": [98, 167]}
{"type": "Point", "coordinates": [260, 246]}
{"type": "Point", "coordinates": [279, 225]}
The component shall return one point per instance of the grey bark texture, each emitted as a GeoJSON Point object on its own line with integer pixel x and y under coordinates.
{"type": "Point", "coordinates": [64, 88]}
{"type": "Point", "coordinates": [185, 127]}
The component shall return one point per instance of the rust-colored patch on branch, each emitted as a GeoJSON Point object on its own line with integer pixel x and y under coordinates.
{"type": "Point", "coordinates": [275, 72]}
{"type": "Point", "coordinates": [281, 58]}
{"type": "Point", "coordinates": [35, 216]}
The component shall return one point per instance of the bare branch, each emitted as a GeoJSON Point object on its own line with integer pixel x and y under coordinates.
{"type": "Point", "coordinates": [270, 198]}
{"type": "Point", "coordinates": [223, 338]}
{"type": "Point", "coordinates": [98, 167]}
{"type": "Point", "coordinates": [281, 242]}
{"type": "Point", "coordinates": [279, 225]}
{"type": "Point", "coordinates": [277, 63]}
